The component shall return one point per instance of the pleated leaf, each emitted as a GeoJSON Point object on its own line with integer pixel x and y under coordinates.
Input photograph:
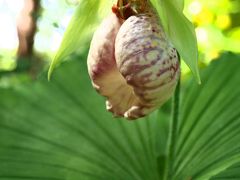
{"type": "Point", "coordinates": [232, 173]}
{"type": "Point", "coordinates": [61, 130]}
{"type": "Point", "coordinates": [209, 132]}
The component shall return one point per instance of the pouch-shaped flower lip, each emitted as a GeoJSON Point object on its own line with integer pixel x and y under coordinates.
{"type": "Point", "coordinates": [133, 64]}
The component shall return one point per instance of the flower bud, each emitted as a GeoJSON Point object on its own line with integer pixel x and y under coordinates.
{"type": "Point", "coordinates": [133, 64]}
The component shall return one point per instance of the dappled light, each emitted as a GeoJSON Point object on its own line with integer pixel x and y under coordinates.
{"type": "Point", "coordinates": [119, 89]}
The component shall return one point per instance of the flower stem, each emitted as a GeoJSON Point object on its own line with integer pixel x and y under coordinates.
{"type": "Point", "coordinates": [173, 133]}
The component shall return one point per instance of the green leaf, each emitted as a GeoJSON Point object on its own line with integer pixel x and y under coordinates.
{"type": "Point", "coordinates": [61, 130]}
{"type": "Point", "coordinates": [81, 25]}
{"type": "Point", "coordinates": [232, 173]}
{"type": "Point", "coordinates": [178, 4]}
{"type": "Point", "coordinates": [209, 132]}
{"type": "Point", "coordinates": [181, 32]}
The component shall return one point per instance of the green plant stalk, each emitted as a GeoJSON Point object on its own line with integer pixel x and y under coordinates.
{"type": "Point", "coordinates": [173, 133]}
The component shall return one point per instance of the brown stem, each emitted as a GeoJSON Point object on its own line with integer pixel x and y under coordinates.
{"type": "Point", "coordinates": [27, 60]}
{"type": "Point", "coordinates": [126, 8]}
{"type": "Point", "coordinates": [26, 27]}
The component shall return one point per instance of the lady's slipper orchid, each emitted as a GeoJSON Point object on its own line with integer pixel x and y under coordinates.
{"type": "Point", "coordinates": [132, 62]}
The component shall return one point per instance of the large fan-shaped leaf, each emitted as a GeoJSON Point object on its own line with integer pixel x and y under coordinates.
{"type": "Point", "coordinates": [209, 132]}
{"type": "Point", "coordinates": [61, 130]}
{"type": "Point", "coordinates": [232, 173]}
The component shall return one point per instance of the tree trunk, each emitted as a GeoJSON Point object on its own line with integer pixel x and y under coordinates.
{"type": "Point", "coordinates": [26, 28]}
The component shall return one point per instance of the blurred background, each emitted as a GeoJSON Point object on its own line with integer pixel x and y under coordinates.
{"type": "Point", "coordinates": [31, 32]}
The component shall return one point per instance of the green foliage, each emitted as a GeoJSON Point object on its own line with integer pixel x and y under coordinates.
{"type": "Point", "coordinates": [232, 173]}
{"type": "Point", "coordinates": [179, 29]}
{"type": "Point", "coordinates": [82, 23]}
{"type": "Point", "coordinates": [179, 4]}
{"type": "Point", "coordinates": [61, 130]}
{"type": "Point", "coordinates": [209, 128]}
